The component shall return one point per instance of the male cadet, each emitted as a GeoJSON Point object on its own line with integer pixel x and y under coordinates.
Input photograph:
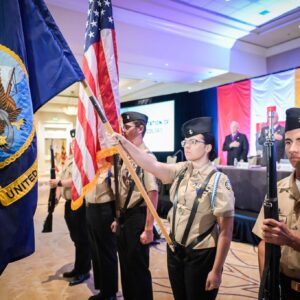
{"type": "Point", "coordinates": [135, 222]}
{"type": "Point", "coordinates": [279, 140]}
{"type": "Point", "coordinates": [286, 232]}
{"type": "Point", "coordinates": [236, 144]}
{"type": "Point", "coordinates": [76, 222]}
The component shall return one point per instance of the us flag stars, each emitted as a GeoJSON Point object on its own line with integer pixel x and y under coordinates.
{"type": "Point", "coordinates": [99, 17]}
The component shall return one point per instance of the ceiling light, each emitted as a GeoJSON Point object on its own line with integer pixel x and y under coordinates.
{"type": "Point", "coordinates": [150, 73]}
{"type": "Point", "coordinates": [299, 26]}
{"type": "Point", "coordinates": [264, 12]}
{"type": "Point", "coordinates": [70, 110]}
{"type": "Point", "coordinates": [199, 81]}
{"type": "Point", "coordinates": [166, 64]}
{"type": "Point", "coordinates": [129, 87]}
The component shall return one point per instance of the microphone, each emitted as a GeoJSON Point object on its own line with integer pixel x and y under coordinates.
{"type": "Point", "coordinates": [181, 154]}
{"type": "Point", "coordinates": [172, 159]}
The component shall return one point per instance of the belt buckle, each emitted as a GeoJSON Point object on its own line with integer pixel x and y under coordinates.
{"type": "Point", "coordinates": [295, 286]}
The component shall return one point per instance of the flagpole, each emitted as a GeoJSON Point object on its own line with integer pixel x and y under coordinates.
{"type": "Point", "coordinates": [124, 156]}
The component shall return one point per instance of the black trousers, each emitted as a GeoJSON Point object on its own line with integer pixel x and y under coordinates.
{"type": "Point", "coordinates": [134, 256]}
{"type": "Point", "coordinates": [286, 291]}
{"type": "Point", "coordinates": [76, 222]}
{"type": "Point", "coordinates": [188, 275]}
{"type": "Point", "coordinates": [104, 247]}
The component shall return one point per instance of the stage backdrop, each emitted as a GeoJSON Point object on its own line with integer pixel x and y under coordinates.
{"type": "Point", "coordinates": [246, 102]}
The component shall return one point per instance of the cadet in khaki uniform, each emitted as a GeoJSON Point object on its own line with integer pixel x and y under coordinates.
{"type": "Point", "coordinates": [100, 213]}
{"type": "Point", "coordinates": [202, 215]}
{"type": "Point", "coordinates": [135, 222]}
{"type": "Point", "coordinates": [76, 222]}
{"type": "Point", "coordinates": [286, 233]}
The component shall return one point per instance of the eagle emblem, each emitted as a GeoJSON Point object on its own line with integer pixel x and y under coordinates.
{"type": "Point", "coordinates": [9, 113]}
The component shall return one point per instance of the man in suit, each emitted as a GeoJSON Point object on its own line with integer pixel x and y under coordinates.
{"type": "Point", "coordinates": [279, 140]}
{"type": "Point", "coordinates": [236, 144]}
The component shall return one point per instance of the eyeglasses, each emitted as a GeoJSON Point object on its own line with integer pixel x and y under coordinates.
{"type": "Point", "coordinates": [191, 142]}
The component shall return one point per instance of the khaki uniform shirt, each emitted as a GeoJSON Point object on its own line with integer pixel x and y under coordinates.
{"type": "Point", "coordinates": [205, 216]}
{"type": "Point", "coordinates": [102, 193]}
{"type": "Point", "coordinates": [66, 174]}
{"type": "Point", "coordinates": [148, 180]}
{"type": "Point", "coordinates": [289, 212]}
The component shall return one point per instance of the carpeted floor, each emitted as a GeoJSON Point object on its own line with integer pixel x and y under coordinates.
{"type": "Point", "coordinates": [40, 275]}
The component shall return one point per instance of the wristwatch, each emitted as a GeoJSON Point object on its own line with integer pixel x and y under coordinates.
{"type": "Point", "coordinates": [59, 183]}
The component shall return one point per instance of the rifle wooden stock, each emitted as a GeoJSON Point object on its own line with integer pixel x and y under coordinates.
{"type": "Point", "coordinates": [125, 158]}
{"type": "Point", "coordinates": [270, 283]}
{"type": "Point", "coordinates": [52, 194]}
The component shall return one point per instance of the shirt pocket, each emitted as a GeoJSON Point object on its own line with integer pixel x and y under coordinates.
{"type": "Point", "coordinates": [282, 217]}
{"type": "Point", "coordinates": [294, 223]}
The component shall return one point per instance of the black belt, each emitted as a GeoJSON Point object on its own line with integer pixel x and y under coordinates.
{"type": "Point", "coordinates": [291, 283]}
{"type": "Point", "coordinates": [109, 203]}
{"type": "Point", "coordinates": [183, 251]}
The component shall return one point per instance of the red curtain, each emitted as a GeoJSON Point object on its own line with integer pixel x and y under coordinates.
{"type": "Point", "coordinates": [233, 105]}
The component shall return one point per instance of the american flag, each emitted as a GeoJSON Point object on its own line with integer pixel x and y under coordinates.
{"type": "Point", "coordinates": [101, 72]}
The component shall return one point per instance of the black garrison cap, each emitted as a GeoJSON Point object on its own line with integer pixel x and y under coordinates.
{"type": "Point", "coordinates": [292, 118]}
{"type": "Point", "coordinates": [72, 133]}
{"type": "Point", "coordinates": [197, 126]}
{"type": "Point", "coordinates": [131, 116]}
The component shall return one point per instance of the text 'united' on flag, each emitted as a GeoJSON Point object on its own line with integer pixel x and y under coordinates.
{"type": "Point", "coordinates": [35, 65]}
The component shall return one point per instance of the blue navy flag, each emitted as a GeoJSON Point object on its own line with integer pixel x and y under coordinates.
{"type": "Point", "coordinates": [35, 65]}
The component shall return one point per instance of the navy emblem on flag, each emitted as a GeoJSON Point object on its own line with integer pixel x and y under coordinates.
{"type": "Point", "coordinates": [16, 121]}
{"type": "Point", "coordinates": [16, 126]}
{"type": "Point", "coordinates": [35, 65]}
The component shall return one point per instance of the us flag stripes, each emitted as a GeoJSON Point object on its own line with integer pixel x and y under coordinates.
{"type": "Point", "coordinates": [101, 72]}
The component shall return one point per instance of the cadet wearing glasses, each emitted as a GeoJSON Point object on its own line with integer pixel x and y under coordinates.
{"type": "Point", "coordinates": [202, 215]}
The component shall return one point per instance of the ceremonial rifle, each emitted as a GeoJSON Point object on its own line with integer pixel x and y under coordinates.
{"type": "Point", "coordinates": [52, 195]}
{"type": "Point", "coordinates": [270, 285]}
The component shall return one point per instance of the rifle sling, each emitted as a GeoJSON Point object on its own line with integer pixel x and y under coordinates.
{"type": "Point", "coordinates": [116, 176]}
{"type": "Point", "coordinates": [180, 177]}
{"type": "Point", "coordinates": [267, 267]}
{"type": "Point", "coordinates": [130, 191]}
{"type": "Point", "coordinates": [200, 238]}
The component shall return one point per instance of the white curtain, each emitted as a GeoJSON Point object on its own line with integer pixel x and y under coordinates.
{"type": "Point", "coordinates": [271, 90]}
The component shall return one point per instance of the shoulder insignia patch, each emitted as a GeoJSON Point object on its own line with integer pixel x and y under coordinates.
{"type": "Point", "coordinates": [228, 185]}
{"type": "Point", "coordinates": [283, 190]}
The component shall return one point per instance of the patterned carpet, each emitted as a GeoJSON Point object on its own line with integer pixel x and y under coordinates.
{"type": "Point", "coordinates": [240, 275]}
{"type": "Point", "coordinates": [40, 275]}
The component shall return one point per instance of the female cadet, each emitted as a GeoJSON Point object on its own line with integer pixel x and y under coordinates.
{"type": "Point", "coordinates": [202, 215]}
